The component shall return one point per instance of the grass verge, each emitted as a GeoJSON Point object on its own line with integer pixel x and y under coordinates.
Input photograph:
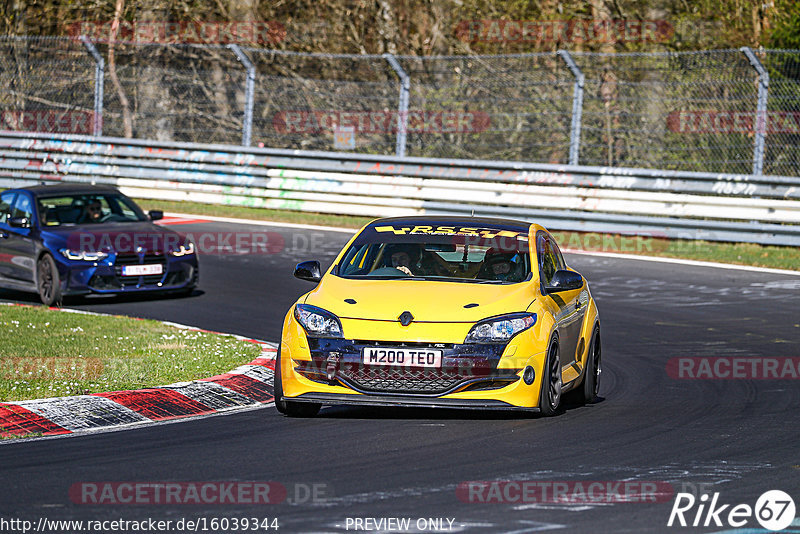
{"type": "Point", "coordinates": [735, 253]}
{"type": "Point", "coordinates": [49, 353]}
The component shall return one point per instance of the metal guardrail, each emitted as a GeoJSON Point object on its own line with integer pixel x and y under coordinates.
{"type": "Point", "coordinates": [688, 205]}
{"type": "Point", "coordinates": [732, 111]}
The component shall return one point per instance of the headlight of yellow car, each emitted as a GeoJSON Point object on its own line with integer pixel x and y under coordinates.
{"type": "Point", "coordinates": [500, 329]}
{"type": "Point", "coordinates": [317, 322]}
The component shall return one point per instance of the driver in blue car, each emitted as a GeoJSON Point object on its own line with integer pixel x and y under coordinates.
{"type": "Point", "coordinates": [93, 212]}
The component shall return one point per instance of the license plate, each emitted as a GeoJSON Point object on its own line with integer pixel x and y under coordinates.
{"type": "Point", "coordinates": [402, 357]}
{"type": "Point", "coordinates": [142, 270]}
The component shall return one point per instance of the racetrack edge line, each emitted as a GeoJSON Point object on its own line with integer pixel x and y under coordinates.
{"type": "Point", "coordinates": [681, 261]}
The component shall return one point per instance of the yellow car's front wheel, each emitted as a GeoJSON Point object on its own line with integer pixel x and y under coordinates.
{"type": "Point", "coordinates": [550, 395]}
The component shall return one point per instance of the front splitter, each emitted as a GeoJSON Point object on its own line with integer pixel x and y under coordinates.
{"type": "Point", "coordinates": [408, 401]}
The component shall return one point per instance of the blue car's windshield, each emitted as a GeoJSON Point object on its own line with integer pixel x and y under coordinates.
{"type": "Point", "coordinates": [477, 255]}
{"type": "Point", "coordinates": [88, 209]}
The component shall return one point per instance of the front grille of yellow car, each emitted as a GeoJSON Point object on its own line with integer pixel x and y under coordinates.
{"type": "Point", "coordinates": [422, 381]}
{"type": "Point", "coordinates": [466, 367]}
{"type": "Point", "coordinates": [400, 380]}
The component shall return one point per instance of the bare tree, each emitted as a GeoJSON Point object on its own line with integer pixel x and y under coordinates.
{"type": "Point", "coordinates": [127, 124]}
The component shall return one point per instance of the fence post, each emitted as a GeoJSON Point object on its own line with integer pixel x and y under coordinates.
{"type": "Point", "coordinates": [99, 77]}
{"type": "Point", "coordinates": [761, 110]}
{"type": "Point", "coordinates": [577, 107]}
{"type": "Point", "coordinates": [249, 93]}
{"type": "Point", "coordinates": [402, 107]}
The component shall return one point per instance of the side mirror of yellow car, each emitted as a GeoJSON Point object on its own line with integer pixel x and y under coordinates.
{"type": "Point", "coordinates": [309, 271]}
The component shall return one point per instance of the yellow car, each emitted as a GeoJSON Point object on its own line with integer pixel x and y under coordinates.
{"type": "Point", "coordinates": [455, 312]}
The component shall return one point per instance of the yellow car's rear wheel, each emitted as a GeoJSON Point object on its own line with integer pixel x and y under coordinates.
{"type": "Point", "coordinates": [586, 392]}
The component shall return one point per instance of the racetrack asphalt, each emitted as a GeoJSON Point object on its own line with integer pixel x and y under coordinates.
{"type": "Point", "coordinates": [736, 437]}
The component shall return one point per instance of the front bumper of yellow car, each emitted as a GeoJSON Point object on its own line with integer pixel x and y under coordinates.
{"type": "Point", "coordinates": [472, 375]}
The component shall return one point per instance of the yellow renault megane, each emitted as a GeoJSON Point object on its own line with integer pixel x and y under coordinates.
{"type": "Point", "coordinates": [456, 312]}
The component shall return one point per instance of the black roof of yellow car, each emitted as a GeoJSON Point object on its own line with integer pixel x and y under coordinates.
{"type": "Point", "coordinates": [460, 221]}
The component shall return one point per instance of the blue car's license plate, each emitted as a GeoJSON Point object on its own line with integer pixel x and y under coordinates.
{"type": "Point", "coordinates": [142, 270]}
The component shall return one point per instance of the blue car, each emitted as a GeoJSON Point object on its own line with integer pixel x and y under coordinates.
{"type": "Point", "coordinates": [68, 239]}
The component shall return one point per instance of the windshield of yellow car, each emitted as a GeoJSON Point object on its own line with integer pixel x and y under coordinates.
{"type": "Point", "coordinates": [475, 255]}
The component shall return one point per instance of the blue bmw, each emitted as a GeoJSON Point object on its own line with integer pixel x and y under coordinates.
{"type": "Point", "coordinates": [69, 239]}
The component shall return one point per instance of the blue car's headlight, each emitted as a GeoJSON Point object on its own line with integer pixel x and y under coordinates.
{"type": "Point", "coordinates": [500, 329]}
{"type": "Point", "coordinates": [184, 250]}
{"type": "Point", "coordinates": [317, 322]}
{"type": "Point", "coordinates": [82, 255]}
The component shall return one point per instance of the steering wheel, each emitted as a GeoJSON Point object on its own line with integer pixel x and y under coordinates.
{"type": "Point", "coordinates": [387, 271]}
{"type": "Point", "coordinates": [111, 217]}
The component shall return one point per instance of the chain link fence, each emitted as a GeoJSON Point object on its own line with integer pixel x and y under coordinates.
{"type": "Point", "coordinates": [46, 84]}
{"type": "Point", "coordinates": [669, 111]}
{"type": "Point", "coordinates": [732, 111]}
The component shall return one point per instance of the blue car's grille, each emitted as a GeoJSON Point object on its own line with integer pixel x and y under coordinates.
{"type": "Point", "coordinates": [134, 259]}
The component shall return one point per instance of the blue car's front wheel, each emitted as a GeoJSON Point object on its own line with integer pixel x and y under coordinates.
{"type": "Point", "coordinates": [48, 282]}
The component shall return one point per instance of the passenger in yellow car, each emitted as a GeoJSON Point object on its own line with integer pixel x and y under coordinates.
{"type": "Point", "coordinates": [498, 265]}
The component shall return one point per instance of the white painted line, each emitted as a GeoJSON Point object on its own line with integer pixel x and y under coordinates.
{"type": "Point", "coordinates": [267, 223]}
{"type": "Point", "coordinates": [696, 263]}
{"type": "Point", "coordinates": [679, 261]}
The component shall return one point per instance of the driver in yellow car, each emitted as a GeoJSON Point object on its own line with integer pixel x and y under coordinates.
{"type": "Point", "coordinates": [404, 258]}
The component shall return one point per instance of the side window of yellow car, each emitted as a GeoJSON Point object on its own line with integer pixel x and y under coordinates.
{"type": "Point", "coordinates": [560, 263]}
{"type": "Point", "coordinates": [549, 257]}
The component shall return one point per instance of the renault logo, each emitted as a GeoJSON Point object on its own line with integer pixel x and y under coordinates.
{"type": "Point", "coordinates": [405, 318]}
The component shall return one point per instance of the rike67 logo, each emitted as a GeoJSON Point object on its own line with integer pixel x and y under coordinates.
{"type": "Point", "coordinates": [774, 510]}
